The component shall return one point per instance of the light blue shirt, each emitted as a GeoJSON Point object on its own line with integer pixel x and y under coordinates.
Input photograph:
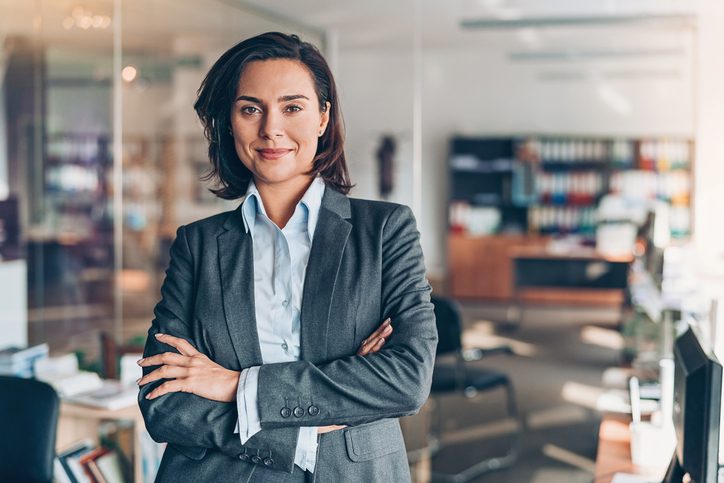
{"type": "Point", "coordinates": [280, 262]}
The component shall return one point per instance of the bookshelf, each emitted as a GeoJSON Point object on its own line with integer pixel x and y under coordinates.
{"type": "Point", "coordinates": [512, 192]}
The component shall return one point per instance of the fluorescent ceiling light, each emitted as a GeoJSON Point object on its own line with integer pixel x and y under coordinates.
{"type": "Point", "coordinates": [501, 22]}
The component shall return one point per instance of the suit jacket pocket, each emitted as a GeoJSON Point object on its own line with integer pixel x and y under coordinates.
{"type": "Point", "coordinates": [373, 440]}
{"type": "Point", "coordinates": [193, 452]}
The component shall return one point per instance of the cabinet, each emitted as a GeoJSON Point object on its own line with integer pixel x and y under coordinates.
{"type": "Point", "coordinates": [482, 266]}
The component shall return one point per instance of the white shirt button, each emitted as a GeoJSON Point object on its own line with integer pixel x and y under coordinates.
{"type": "Point", "coordinates": [285, 302]}
{"type": "Point", "coordinates": [285, 346]}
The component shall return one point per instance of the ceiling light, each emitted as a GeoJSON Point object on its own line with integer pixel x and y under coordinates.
{"type": "Point", "coordinates": [129, 73]}
{"type": "Point", "coordinates": [85, 19]}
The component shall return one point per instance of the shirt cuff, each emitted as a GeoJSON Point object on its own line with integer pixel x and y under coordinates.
{"type": "Point", "coordinates": [306, 455]}
{"type": "Point", "coordinates": [248, 423]}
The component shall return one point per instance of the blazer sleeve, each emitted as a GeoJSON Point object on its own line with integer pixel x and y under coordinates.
{"type": "Point", "coordinates": [191, 423]}
{"type": "Point", "coordinates": [391, 383]}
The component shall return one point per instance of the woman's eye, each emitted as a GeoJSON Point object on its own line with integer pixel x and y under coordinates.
{"type": "Point", "coordinates": [293, 108]}
{"type": "Point", "coordinates": [249, 110]}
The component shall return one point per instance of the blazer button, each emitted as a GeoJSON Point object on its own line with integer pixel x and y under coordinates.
{"type": "Point", "coordinates": [313, 410]}
{"type": "Point", "coordinates": [256, 459]}
{"type": "Point", "coordinates": [285, 412]}
{"type": "Point", "coordinates": [268, 461]}
{"type": "Point", "coordinates": [244, 457]}
{"type": "Point", "coordinates": [298, 412]}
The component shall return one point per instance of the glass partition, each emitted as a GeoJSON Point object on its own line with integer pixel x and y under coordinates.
{"type": "Point", "coordinates": [104, 152]}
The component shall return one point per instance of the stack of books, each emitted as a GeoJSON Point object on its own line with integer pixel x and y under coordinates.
{"type": "Point", "coordinates": [84, 463]}
{"type": "Point", "coordinates": [19, 361]}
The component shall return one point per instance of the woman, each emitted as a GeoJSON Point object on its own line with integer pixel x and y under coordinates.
{"type": "Point", "coordinates": [265, 360]}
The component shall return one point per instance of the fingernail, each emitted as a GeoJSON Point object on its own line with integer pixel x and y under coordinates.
{"type": "Point", "coordinates": [148, 396]}
{"type": "Point", "coordinates": [387, 330]}
{"type": "Point", "coordinates": [138, 380]}
{"type": "Point", "coordinates": [388, 321]}
{"type": "Point", "coordinates": [159, 335]}
{"type": "Point", "coordinates": [382, 340]}
{"type": "Point", "coordinates": [140, 361]}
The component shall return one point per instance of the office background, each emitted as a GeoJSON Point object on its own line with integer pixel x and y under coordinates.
{"type": "Point", "coordinates": [101, 153]}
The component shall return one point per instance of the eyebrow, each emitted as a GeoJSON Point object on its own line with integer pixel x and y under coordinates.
{"type": "Point", "coordinates": [287, 98]}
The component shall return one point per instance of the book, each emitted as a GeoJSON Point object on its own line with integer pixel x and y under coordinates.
{"type": "Point", "coordinates": [14, 355]}
{"type": "Point", "coordinates": [59, 473]}
{"type": "Point", "coordinates": [110, 395]}
{"type": "Point", "coordinates": [70, 461]}
{"type": "Point", "coordinates": [110, 467]}
{"type": "Point", "coordinates": [88, 463]}
{"type": "Point", "coordinates": [18, 361]}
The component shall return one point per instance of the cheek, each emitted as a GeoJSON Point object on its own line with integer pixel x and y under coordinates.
{"type": "Point", "coordinates": [244, 135]}
{"type": "Point", "coordinates": [307, 134]}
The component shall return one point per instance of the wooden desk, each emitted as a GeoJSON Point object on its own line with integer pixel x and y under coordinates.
{"type": "Point", "coordinates": [614, 450]}
{"type": "Point", "coordinates": [77, 423]}
{"type": "Point", "coordinates": [578, 277]}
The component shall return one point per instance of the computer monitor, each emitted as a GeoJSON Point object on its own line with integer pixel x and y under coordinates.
{"type": "Point", "coordinates": [697, 409]}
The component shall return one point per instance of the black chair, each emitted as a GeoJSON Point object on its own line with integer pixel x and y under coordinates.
{"type": "Point", "coordinates": [29, 419]}
{"type": "Point", "coordinates": [459, 376]}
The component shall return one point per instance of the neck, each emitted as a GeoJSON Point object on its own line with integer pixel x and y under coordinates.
{"type": "Point", "coordinates": [280, 200]}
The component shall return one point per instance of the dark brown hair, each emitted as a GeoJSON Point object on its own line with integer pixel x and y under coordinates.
{"type": "Point", "coordinates": [216, 97]}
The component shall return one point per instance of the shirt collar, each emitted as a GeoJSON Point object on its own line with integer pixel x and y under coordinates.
{"type": "Point", "coordinates": [311, 200]}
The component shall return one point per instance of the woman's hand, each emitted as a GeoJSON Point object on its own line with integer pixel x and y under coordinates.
{"type": "Point", "coordinates": [370, 345]}
{"type": "Point", "coordinates": [191, 371]}
{"type": "Point", "coordinates": [377, 339]}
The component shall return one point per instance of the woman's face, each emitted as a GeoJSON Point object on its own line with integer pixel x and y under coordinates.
{"type": "Point", "coordinates": [276, 121]}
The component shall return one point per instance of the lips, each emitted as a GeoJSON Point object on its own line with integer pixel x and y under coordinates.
{"type": "Point", "coordinates": [273, 153]}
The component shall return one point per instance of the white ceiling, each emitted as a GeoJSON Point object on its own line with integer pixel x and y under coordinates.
{"type": "Point", "coordinates": [157, 24]}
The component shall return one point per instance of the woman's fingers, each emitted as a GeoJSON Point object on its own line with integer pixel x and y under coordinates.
{"type": "Point", "coordinates": [379, 330]}
{"type": "Point", "coordinates": [167, 387]}
{"type": "Point", "coordinates": [164, 372]}
{"type": "Point", "coordinates": [329, 429]}
{"type": "Point", "coordinates": [377, 339]}
{"type": "Point", "coordinates": [182, 345]}
{"type": "Point", "coordinates": [166, 358]}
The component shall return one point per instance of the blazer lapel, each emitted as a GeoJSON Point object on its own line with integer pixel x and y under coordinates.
{"type": "Point", "coordinates": [330, 239]}
{"type": "Point", "coordinates": [236, 264]}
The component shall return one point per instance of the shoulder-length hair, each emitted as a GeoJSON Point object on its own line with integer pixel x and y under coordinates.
{"type": "Point", "coordinates": [216, 97]}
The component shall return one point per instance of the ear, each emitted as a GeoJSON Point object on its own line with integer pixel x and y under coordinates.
{"type": "Point", "coordinates": [324, 118]}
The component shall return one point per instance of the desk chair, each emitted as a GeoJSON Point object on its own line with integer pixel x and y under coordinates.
{"type": "Point", "coordinates": [460, 376]}
{"type": "Point", "coordinates": [29, 419]}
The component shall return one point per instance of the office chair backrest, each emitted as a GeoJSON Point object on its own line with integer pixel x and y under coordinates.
{"type": "Point", "coordinates": [449, 325]}
{"type": "Point", "coordinates": [28, 418]}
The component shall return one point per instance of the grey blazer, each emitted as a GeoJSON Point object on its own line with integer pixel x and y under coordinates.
{"type": "Point", "coordinates": [365, 265]}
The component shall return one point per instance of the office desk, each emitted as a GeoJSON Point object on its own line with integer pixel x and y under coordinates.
{"type": "Point", "coordinates": [614, 451]}
{"type": "Point", "coordinates": [577, 277]}
{"type": "Point", "coordinates": [77, 422]}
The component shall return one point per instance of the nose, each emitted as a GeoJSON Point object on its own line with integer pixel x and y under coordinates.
{"type": "Point", "coordinates": [271, 125]}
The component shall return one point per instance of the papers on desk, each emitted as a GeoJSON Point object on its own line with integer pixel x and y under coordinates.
{"type": "Point", "coordinates": [85, 387]}
{"type": "Point", "coordinates": [110, 395]}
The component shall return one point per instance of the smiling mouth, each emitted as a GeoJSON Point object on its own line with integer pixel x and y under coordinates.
{"type": "Point", "coordinates": [273, 153]}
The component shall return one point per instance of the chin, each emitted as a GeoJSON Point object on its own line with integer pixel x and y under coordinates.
{"type": "Point", "coordinates": [279, 176]}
